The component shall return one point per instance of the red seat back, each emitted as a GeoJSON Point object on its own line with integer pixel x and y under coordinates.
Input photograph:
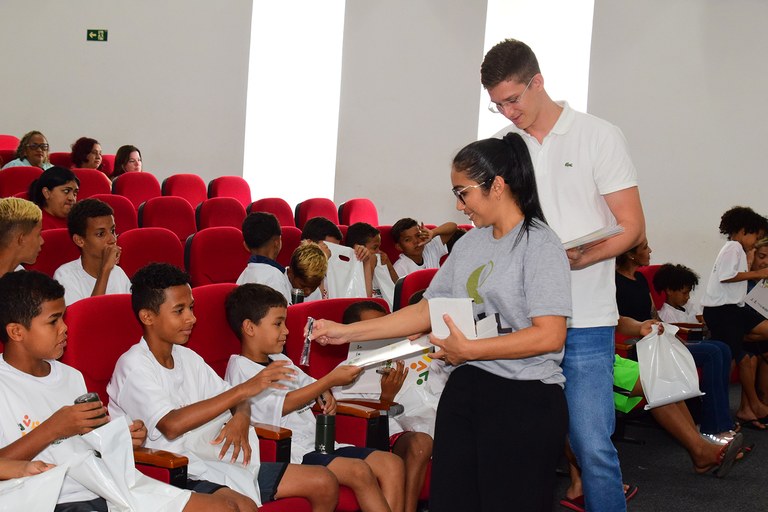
{"type": "Point", "coordinates": [136, 186]}
{"type": "Point", "coordinates": [58, 249]}
{"type": "Point", "coordinates": [387, 244]}
{"type": "Point", "coordinates": [315, 207]}
{"type": "Point", "coordinates": [146, 245]}
{"type": "Point", "coordinates": [169, 212]}
{"type": "Point", "coordinates": [215, 255]}
{"type": "Point", "coordinates": [410, 284]}
{"type": "Point", "coordinates": [291, 239]}
{"type": "Point", "coordinates": [358, 210]}
{"type": "Point", "coordinates": [61, 159]}
{"type": "Point", "coordinates": [230, 186]}
{"type": "Point", "coordinates": [15, 180]}
{"type": "Point", "coordinates": [125, 213]}
{"type": "Point", "coordinates": [277, 207]}
{"type": "Point", "coordinates": [108, 164]}
{"type": "Point", "coordinates": [322, 359]}
{"type": "Point", "coordinates": [211, 337]}
{"type": "Point", "coordinates": [100, 330]}
{"type": "Point", "coordinates": [220, 211]}
{"type": "Point", "coordinates": [189, 186]}
{"type": "Point", "coordinates": [92, 182]}
{"type": "Point", "coordinates": [9, 142]}
{"type": "Point", "coordinates": [649, 272]}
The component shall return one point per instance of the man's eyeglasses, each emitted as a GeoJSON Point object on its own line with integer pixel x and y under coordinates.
{"type": "Point", "coordinates": [34, 146]}
{"type": "Point", "coordinates": [499, 108]}
{"type": "Point", "coordinates": [459, 192]}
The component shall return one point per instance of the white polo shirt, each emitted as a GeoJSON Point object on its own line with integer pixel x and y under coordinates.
{"type": "Point", "coordinates": [582, 159]}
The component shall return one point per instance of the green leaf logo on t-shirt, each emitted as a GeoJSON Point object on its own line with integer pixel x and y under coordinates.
{"type": "Point", "coordinates": [476, 280]}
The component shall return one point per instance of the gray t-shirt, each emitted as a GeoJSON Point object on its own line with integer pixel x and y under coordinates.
{"type": "Point", "coordinates": [518, 282]}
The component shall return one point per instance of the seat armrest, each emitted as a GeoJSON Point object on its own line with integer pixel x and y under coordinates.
{"type": "Point", "coordinates": [272, 432]}
{"type": "Point", "coordinates": [159, 458]}
{"type": "Point", "coordinates": [380, 405]}
{"type": "Point", "coordinates": [358, 411]}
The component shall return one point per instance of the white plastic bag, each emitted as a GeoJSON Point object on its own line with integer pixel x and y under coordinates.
{"type": "Point", "coordinates": [382, 282]}
{"type": "Point", "coordinates": [667, 370]}
{"type": "Point", "coordinates": [346, 275]}
{"type": "Point", "coordinates": [39, 492]}
{"type": "Point", "coordinates": [113, 475]}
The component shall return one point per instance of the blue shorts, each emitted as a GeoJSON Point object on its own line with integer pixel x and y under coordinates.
{"type": "Point", "coordinates": [270, 474]}
{"type": "Point", "coordinates": [323, 459]}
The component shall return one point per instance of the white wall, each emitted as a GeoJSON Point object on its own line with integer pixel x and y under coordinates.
{"type": "Point", "coordinates": [171, 79]}
{"type": "Point", "coordinates": [409, 90]}
{"type": "Point", "coordinates": [686, 81]}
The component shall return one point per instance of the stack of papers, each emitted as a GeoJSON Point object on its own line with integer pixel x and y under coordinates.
{"type": "Point", "coordinates": [594, 238]}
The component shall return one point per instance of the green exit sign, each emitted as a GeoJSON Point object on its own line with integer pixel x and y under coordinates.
{"type": "Point", "coordinates": [96, 34]}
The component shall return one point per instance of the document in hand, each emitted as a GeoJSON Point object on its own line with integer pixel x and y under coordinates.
{"type": "Point", "coordinates": [594, 238]}
{"type": "Point", "coordinates": [758, 297]}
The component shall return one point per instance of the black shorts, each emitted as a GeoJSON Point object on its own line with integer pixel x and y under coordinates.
{"type": "Point", "coordinates": [203, 486]}
{"type": "Point", "coordinates": [323, 459]}
{"type": "Point", "coordinates": [270, 474]}
{"type": "Point", "coordinates": [97, 505]}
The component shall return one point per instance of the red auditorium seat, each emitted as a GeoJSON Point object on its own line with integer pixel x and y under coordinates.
{"type": "Point", "coordinates": [277, 207]}
{"type": "Point", "coordinates": [358, 210]}
{"type": "Point", "coordinates": [9, 142]}
{"type": "Point", "coordinates": [61, 159]}
{"type": "Point", "coordinates": [291, 239]}
{"type": "Point", "coordinates": [92, 182]}
{"type": "Point", "coordinates": [169, 212]}
{"type": "Point", "coordinates": [125, 213]}
{"type": "Point", "coordinates": [108, 164]}
{"type": "Point", "coordinates": [58, 249]}
{"type": "Point", "coordinates": [220, 211]}
{"type": "Point", "coordinates": [315, 207]}
{"type": "Point", "coordinates": [146, 245]}
{"type": "Point", "coordinates": [6, 155]}
{"type": "Point", "coordinates": [15, 180]}
{"type": "Point", "coordinates": [136, 186]}
{"type": "Point", "coordinates": [189, 186]}
{"type": "Point", "coordinates": [387, 244]}
{"type": "Point", "coordinates": [212, 338]}
{"type": "Point", "coordinates": [410, 284]}
{"type": "Point", "coordinates": [230, 186]}
{"type": "Point", "coordinates": [215, 255]}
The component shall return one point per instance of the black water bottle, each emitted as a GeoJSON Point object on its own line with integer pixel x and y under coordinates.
{"type": "Point", "coordinates": [325, 433]}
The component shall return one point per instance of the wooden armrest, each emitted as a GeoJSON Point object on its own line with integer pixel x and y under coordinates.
{"type": "Point", "coordinates": [381, 405]}
{"type": "Point", "coordinates": [159, 458]}
{"type": "Point", "coordinates": [272, 432]}
{"type": "Point", "coordinates": [358, 411]}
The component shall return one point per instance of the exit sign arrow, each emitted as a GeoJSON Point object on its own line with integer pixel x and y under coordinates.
{"type": "Point", "coordinates": [96, 34]}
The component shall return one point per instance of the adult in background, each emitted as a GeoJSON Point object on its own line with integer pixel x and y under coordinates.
{"type": "Point", "coordinates": [127, 159]}
{"type": "Point", "coordinates": [86, 154]}
{"type": "Point", "coordinates": [500, 452]}
{"type": "Point", "coordinates": [55, 192]}
{"type": "Point", "coordinates": [32, 152]}
{"type": "Point", "coordinates": [586, 181]}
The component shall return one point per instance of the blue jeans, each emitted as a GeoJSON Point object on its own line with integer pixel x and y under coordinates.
{"type": "Point", "coordinates": [714, 359]}
{"type": "Point", "coordinates": [588, 369]}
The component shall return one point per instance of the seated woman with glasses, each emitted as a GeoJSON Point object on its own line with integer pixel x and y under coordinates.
{"type": "Point", "coordinates": [516, 270]}
{"type": "Point", "coordinates": [127, 159]}
{"type": "Point", "coordinates": [86, 154]}
{"type": "Point", "coordinates": [55, 192]}
{"type": "Point", "coordinates": [32, 152]}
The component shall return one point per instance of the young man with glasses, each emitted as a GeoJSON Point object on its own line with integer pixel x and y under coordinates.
{"type": "Point", "coordinates": [586, 181]}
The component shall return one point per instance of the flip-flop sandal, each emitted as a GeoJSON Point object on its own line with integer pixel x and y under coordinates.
{"type": "Point", "coordinates": [745, 452]}
{"type": "Point", "coordinates": [754, 424]}
{"type": "Point", "coordinates": [728, 455]}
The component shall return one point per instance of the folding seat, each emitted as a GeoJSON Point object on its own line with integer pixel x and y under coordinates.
{"type": "Point", "coordinates": [315, 207]}
{"type": "Point", "coordinates": [277, 207]}
{"type": "Point", "coordinates": [108, 164]}
{"type": "Point", "coordinates": [61, 159]}
{"type": "Point", "coordinates": [58, 249]}
{"type": "Point", "coordinates": [189, 186]}
{"type": "Point", "coordinates": [17, 179]}
{"type": "Point", "coordinates": [6, 155]}
{"type": "Point", "coordinates": [343, 228]}
{"type": "Point", "coordinates": [169, 212]}
{"type": "Point", "coordinates": [358, 210]}
{"type": "Point", "coordinates": [109, 317]}
{"type": "Point", "coordinates": [92, 182]}
{"type": "Point", "coordinates": [146, 245]}
{"type": "Point", "coordinates": [387, 244]}
{"type": "Point", "coordinates": [466, 227]}
{"type": "Point", "coordinates": [291, 239]}
{"type": "Point", "coordinates": [125, 213]}
{"type": "Point", "coordinates": [407, 286]}
{"type": "Point", "coordinates": [9, 142]}
{"type": "Point", "coordinates": [136, 186]}
{"type": "Point", "coordinates": [215, 255]}
{"type": "Point", "coordinates": [220, 211]}
{"type": "Point", "coordinates": [230, 186]}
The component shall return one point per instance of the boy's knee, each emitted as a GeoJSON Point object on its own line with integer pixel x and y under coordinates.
{"type": "Point", "coordinates": [387, 465]}
{"type": "Point", "coordinates": [237, 501]}
{"type": "Point", "coordinates": [419, 446]}
{"type": "Point", "coordinates": [324, 484]}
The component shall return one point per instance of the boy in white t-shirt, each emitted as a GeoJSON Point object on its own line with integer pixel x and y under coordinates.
{"type": "Point", "coordinates": [37, 392]}
{"type": "Point", "coordinates": [257, 315]}
{"type": "Point", "coordinates": [262, 237]}
{"type": "Point", "coordinates": [21, 222]}
{"type": "Point", "coordinates": [182, 399]}
{"type": "Point", "coordinates": [421, 248]}
{"type": "Point", "coordinates": [91, 224]}
{"type": "Point", "coordinates": [677, 282]}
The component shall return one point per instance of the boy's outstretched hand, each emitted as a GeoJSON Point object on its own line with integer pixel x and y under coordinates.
{"type": "Point", "coordinates": [327, 403]}
{"type": "Point", "coordinates": [392, 381]}
{"type": "Point", "coordinates": [343, 375]}
{"type": "Point", "coordinates": [235, 434]}
{"type": "Point", "coordinates": [269, 377]}
{"type": "Point", "coordinates": [77, 419]}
